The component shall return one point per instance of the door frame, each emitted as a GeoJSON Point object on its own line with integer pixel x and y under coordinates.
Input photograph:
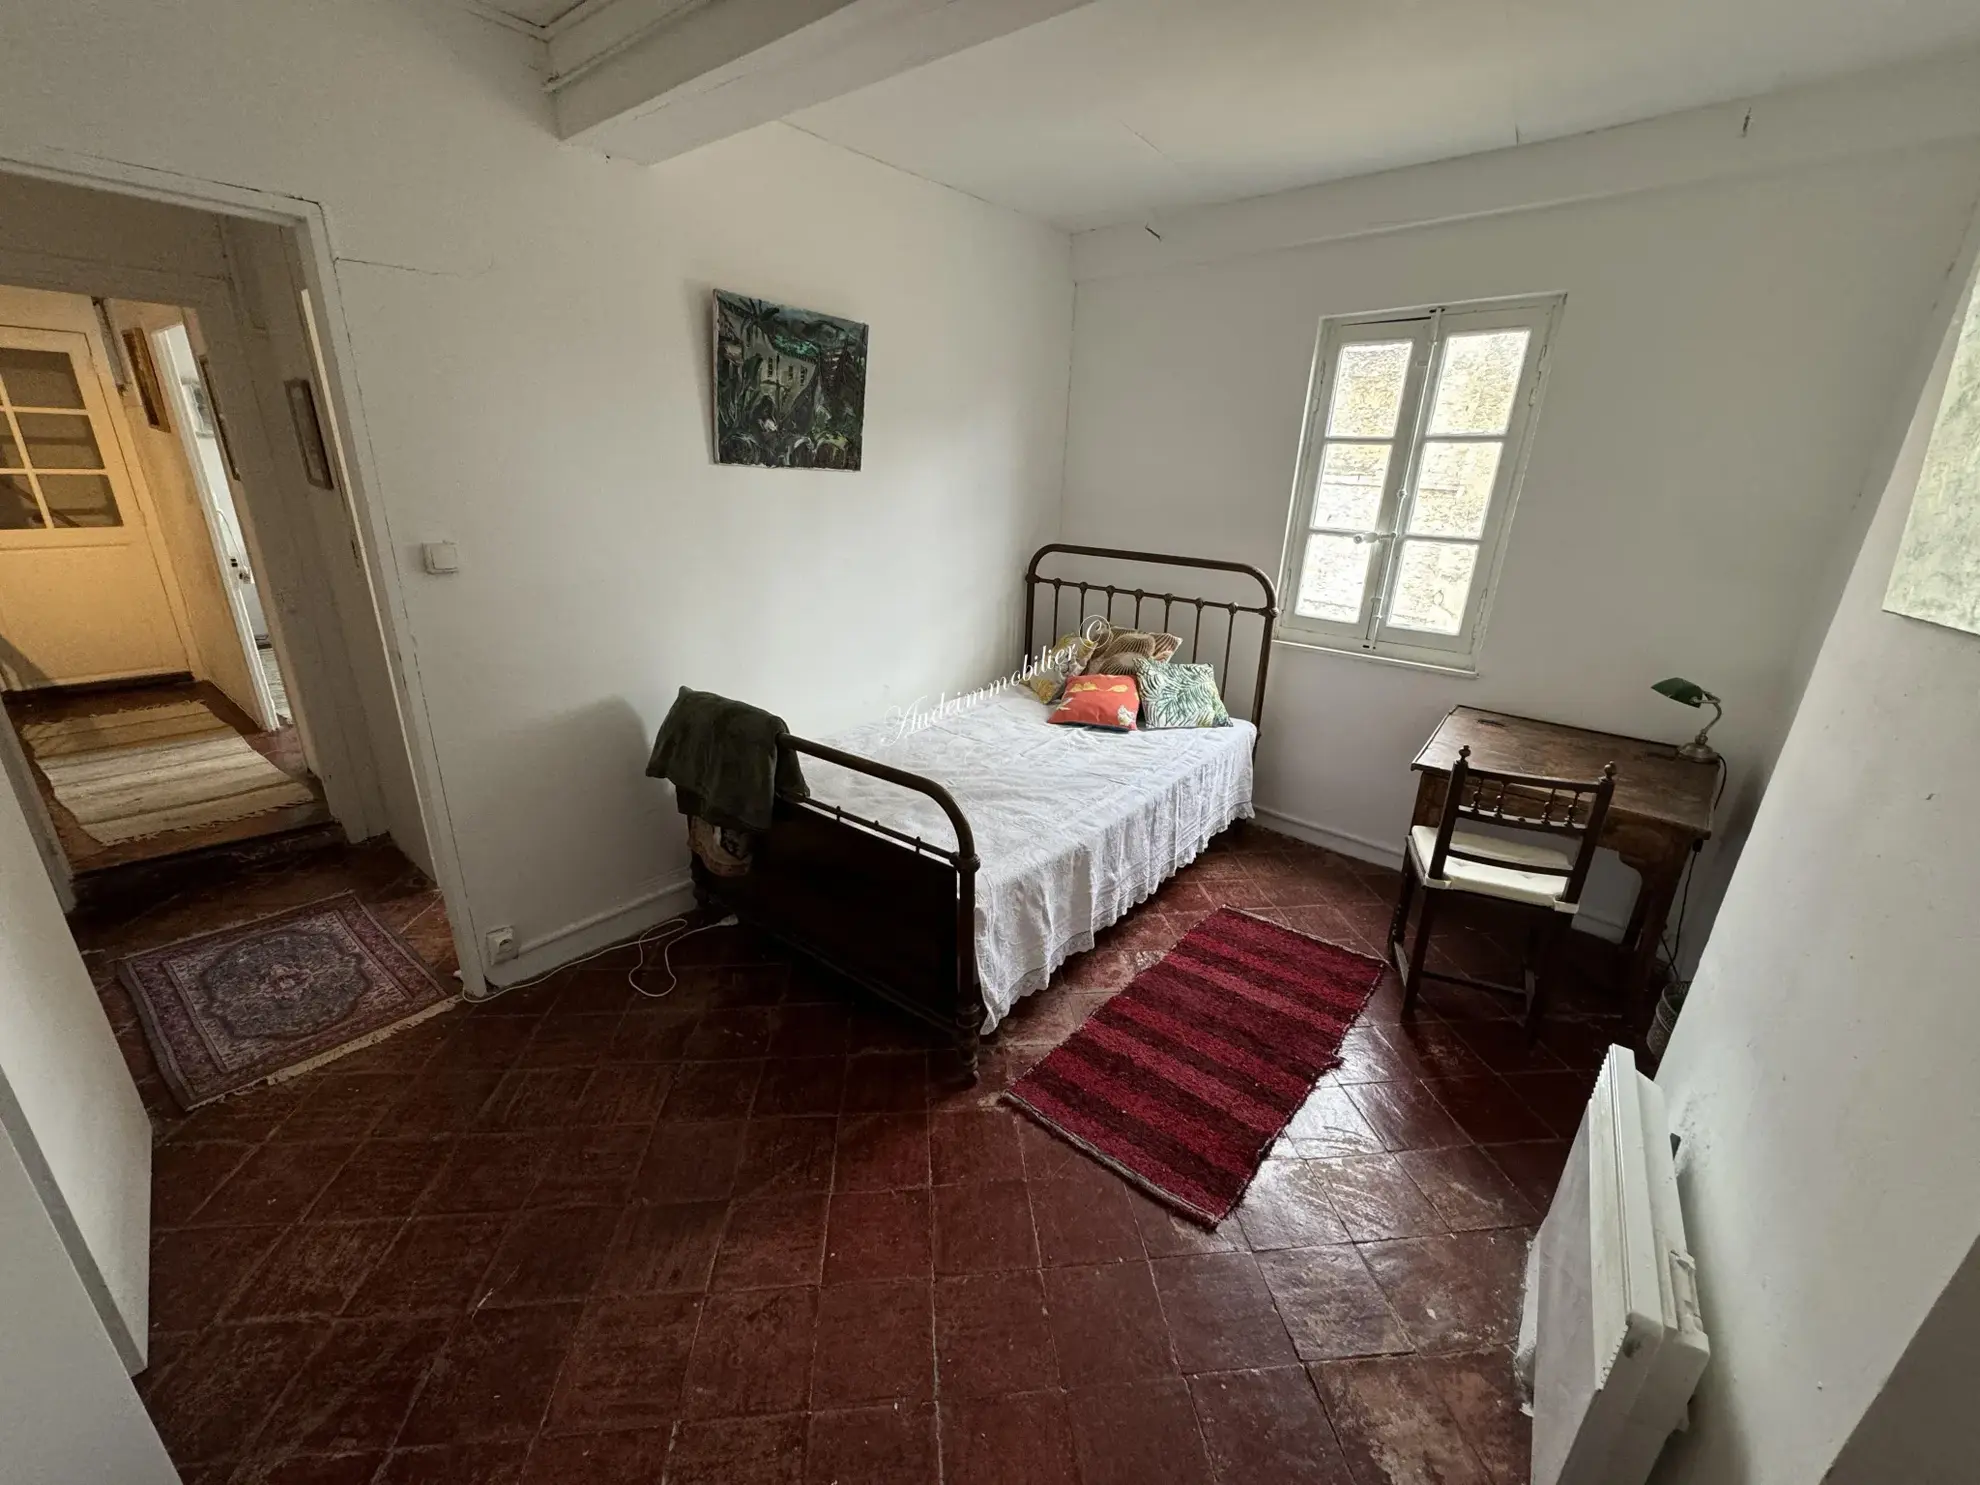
{"type": "Point", "coordinates": [182, 416]}
{"type": "Point", "coordinates": [222, 325]}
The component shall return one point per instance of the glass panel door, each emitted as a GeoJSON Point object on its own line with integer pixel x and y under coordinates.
{"type": "Point", "coordinates": [52, 470]}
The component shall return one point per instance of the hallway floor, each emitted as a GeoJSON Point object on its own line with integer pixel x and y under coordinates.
{"type": "Point", "coordinates": [282, 747]}
{"type": "Point", "coordinates": [750, 1234]}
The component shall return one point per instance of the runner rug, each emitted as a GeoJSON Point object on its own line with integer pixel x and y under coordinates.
{"type": "Point", "coordinates": [1183, 1081]}
{"type": "Point", "coordinates": [131, 789]}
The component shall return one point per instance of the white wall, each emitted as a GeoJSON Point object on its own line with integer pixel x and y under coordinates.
{"type": "Point", "coordinates": [1821, 1077]}
{"type": "Point", "coordinates": [67, 1411]}
{"type": "Point", "coordinates": [1718, 385]}
{"type": "Point", "coordinates": [66, 1099]}
{"type": "Point", "coordinates": [528, 326]}
{"type": "Point", "coordinates": [1923, 1428]}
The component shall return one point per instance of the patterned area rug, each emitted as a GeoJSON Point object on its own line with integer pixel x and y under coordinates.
{"type": "Point", "coordinates": [277, 996]}
{"type": "Point", "coordinates": [1183, 1080]}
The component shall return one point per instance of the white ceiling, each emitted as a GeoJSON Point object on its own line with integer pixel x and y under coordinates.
{"type": "Point", "coordinates": [536, 12]}
{"type": "Point", "coordinates": [1121, 109]}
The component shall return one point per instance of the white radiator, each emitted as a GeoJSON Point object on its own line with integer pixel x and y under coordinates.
{"type": "Point", "coordinates": [1611, 1329]}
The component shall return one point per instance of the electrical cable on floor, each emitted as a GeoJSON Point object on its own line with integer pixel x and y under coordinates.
{"type": "Point", "coordinates": [641, 942]}
{"type": "Point", "coordinates": [666, 958]}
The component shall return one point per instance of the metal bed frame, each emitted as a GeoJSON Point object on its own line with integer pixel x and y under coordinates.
{"type": "Point", "coordinates": [895, 913]}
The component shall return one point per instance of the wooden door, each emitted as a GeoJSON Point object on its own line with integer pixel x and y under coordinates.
{"type": "Point", "coordinates": [81, 595]}
{"type": "Point", "coordinates": [224, 632]}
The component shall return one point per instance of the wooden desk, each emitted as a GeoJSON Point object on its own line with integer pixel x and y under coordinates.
{"type": "Point", "coordinates": [1662, 808]}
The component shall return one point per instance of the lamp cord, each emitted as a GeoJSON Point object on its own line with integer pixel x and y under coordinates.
{"type": "Point", "coordinates": [1673, 944]}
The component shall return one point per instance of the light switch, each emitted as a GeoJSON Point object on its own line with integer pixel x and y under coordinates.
{"type": "Point", "coordinates": [439, 557]}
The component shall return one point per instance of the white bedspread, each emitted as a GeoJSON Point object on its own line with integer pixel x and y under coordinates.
{"type": "Point", "coordinates": [1073, 826]}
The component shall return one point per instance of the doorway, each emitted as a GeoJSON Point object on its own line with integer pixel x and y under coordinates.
{"type": "Point", "coordinates": [188, 567]}
{"type": "Point", "coordinates": [276, 590]}
{"type": "Point", "coordinates": [139, 659]}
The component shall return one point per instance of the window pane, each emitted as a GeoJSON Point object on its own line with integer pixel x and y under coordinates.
{"type": "Point", "coordinates": [10, 452]}
{"type": "Point", "coordinates": [18, 512]}
{"type": "Point", "coordinates": [79, 500]}
{"type": "Point", "coordinates": [1350, 493]}
{"type": "Point", "coordinates": [1433, 579]}
{"type": "Point", "coordinates": [59, 441]}
{"type": "Point", "coordinates": [1368, 389]}
{"type": "Point", "coordinates": [1453, 488]}
{"type": "Point", "coordinates": [1475, 389]}
{"type": "Point", "coordinates": [1332, 578]}
{"type": "Point", "coordinates": [38, 378]}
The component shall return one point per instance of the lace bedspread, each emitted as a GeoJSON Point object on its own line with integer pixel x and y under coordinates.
{"type": "Point", "coordinates": [1073, 827]}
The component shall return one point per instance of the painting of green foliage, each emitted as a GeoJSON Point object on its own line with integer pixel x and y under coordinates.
{"type": "Point", "coordinates": [790, 386]}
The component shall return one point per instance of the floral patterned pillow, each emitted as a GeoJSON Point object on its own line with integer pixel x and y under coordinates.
{"type": "Point", "coordinates": [1106, 701]}
{"type": "Point", "coordinates": [1181, 696]}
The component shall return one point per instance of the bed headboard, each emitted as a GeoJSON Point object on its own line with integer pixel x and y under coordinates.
{"type": "Point", "coordinates": [1179, 613]}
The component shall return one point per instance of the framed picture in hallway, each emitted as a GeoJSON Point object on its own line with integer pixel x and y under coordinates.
{"type": "Point", "coordinates": [137, 350]}
{"type": "Point", "coordinates": [309, 433]}
{"type": "Point", "coordinates": [789, 385]}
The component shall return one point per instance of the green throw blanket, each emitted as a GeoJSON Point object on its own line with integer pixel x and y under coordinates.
{"type": "Point", "coordinates": [722, 758]}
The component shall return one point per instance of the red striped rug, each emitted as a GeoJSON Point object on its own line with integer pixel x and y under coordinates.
{"type": "Point", "coordinates": [1183, 1080]}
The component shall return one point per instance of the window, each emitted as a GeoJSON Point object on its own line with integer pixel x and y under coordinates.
{"type": "Point", "coordinates": [1416, 434]}
{"type": "Point", "coordinates": [52, 473]}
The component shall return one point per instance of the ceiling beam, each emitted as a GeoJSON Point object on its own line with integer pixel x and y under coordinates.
{"type": "Point", "coordinates": [650, 79]}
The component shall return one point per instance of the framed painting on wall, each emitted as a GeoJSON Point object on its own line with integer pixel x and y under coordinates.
{"type": "Point", "coordinates": [790, 385]}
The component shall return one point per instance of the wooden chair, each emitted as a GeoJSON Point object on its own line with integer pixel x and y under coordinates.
{"type": "Point", "coordinates": [1446, 858]}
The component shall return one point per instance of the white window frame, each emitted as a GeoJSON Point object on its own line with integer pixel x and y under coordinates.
{"type": "Point", "coordinates": [1428, 329]}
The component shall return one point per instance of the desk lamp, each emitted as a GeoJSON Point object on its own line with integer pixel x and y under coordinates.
{"type": "Point", "coordinates": [1690, 693]}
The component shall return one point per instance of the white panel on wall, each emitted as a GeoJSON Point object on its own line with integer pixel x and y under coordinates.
{"type": "Point", "coordinates": [66, 1097]}
{"type": "Point", "coordinates": [67, 1411]}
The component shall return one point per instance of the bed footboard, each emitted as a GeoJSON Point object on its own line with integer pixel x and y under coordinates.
{"type": "Point", "coordinates": [890, 911]}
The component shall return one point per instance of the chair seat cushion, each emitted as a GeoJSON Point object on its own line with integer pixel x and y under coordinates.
{"type": "Point", "coordinates": [1505, 877]}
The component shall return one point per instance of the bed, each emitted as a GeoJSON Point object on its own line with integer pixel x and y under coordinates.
{"type": "Point", "coordinates": [953, 867]}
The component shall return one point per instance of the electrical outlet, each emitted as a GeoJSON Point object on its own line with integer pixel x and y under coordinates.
{"type": "Point", "coordinates": [500, 945]}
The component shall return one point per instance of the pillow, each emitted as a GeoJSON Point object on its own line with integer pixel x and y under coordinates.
{"type": "Point", "coordinates": [1048, 682]}
{"type": "Point", "coordinates": [1125, 651]}
{"type": "Point", "coordinates": [1105, 701]}
{"type": "Point", "coordinates": [1181, 696]}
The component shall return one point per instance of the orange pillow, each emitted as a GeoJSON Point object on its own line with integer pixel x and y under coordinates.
{"type": "Point", "coordinates": [1105, 701]}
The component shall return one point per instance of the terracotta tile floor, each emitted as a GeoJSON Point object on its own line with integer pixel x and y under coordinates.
{"type": "Point", "coordinates": [749, 1234]}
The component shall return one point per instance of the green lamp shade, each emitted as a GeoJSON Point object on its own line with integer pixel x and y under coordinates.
{"type": "Point", "coordinates": [1687, 693]}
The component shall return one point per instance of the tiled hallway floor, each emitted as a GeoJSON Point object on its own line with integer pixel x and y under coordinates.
{"type": "Point", "coordinates": [748, 1234]}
